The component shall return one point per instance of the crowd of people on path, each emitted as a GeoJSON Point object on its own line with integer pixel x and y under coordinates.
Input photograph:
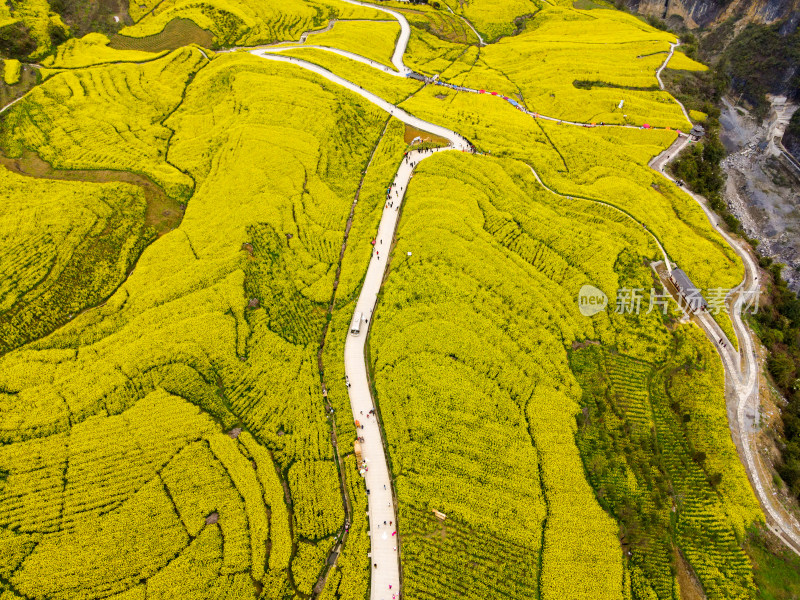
{"type": "Point", "coordinates": [393, 196]}
{"type": "Point", "coordinates": [387, 523]}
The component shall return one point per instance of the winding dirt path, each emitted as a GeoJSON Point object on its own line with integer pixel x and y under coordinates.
{"type": "Point", "coordinates": [661, 83]}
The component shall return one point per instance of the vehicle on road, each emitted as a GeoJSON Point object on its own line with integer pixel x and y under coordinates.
{"type": "Point", "coordinates": [355, 326]}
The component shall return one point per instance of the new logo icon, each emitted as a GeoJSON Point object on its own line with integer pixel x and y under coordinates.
{"type": "Point", "coordinates": [591, 300]}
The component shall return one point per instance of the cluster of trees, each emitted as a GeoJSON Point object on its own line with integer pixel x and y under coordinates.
{"type": "Point", "coordinates": [651, 470]}
{"type": "Point", "coordinates": [791, 137]}
{"type": "Point", "coordinates": [16, 40]}
{"type": "Point", "coordinates": [699, 166]}
{"type": "Point", "coordinates": [762, 60]}
{"type": "Point", "coordinates": [778, 322]}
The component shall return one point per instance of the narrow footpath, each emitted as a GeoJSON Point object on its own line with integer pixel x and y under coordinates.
{"type": "Point", "coordinates": [382, 515]}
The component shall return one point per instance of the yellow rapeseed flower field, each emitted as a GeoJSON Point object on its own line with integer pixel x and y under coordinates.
{"type": "Point", "coordinates": [175, 414]}
{"type": "Point", "coordinates": [244, 22]}
{"type": "Point", "coordinates": [85, 462]}
{"type": "Point", "coordinates": [370, 39]}
{"type": "Point", "coordinates": [92, 49]}
{"type": "Point", "coordinates": [12, 69]}
{"type": "Point", "coordinates": [681, 62]}
{"type": "Point", "coordinates": [106, 117]}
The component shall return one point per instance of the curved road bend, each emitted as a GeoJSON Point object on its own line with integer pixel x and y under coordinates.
{"type": "Point", "coordinates": [403, 71]}
{"type": "Point", "coordinates": [458, 142]}
{"type": "Point", "coordinates": [384, 557]}
{"type": "Point", "coordinates": [741, 368]}
{"type": "Point", "coordinates": [402, 41]}
{"type": "Point", "coordinates": [351, 55]}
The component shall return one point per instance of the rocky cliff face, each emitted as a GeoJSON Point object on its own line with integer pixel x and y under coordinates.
{"type": "Point", "coordinates": [761, 186]}
{"type": "Point", "coordinates": [708, 13]}
{"type": "Point", "coordinates": [791, 138]}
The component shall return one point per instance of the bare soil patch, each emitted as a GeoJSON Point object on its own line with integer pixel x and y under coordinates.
{"type": "Point", "coordinates": [412, 133]}
{"type": "Point", "coordinates": [163, 213]}
{"type": "Point", "coordinates": [690, 586]}
{"type": "Point", "coordinates": [176, 34]}
{"type": "Point", "coordinates": [578, 345]}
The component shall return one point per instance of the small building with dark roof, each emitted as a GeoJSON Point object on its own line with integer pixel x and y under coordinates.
{"type": "Point", "coordinates": [697, 132]}
{"type": "Point", "coordinates": [689, 293]}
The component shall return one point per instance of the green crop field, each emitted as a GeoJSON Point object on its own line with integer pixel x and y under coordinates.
{"type": "Point", "coordinates": [671, 441]}
{"type": "Point", "coordinates": [185, 232]}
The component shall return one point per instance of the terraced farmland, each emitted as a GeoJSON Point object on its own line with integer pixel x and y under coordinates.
{"type": "Point", "coordinates": [187, 239]}
{"type": "Point", "coordinates": [274, 498]}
